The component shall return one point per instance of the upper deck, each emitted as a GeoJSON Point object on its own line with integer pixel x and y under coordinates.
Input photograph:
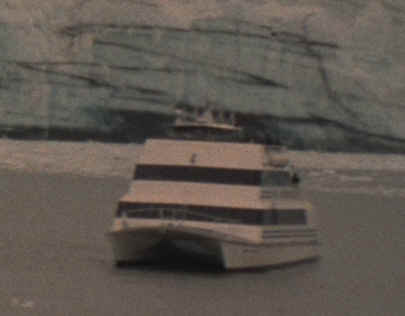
{"type": "Point", "coordinates": [221, 155]}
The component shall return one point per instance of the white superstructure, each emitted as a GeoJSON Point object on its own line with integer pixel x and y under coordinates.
{"type": "Point", "coordinates": [236, 204]}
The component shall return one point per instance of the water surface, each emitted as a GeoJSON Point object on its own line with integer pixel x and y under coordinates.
{"type": "Point", "coordinates": [55, 259]}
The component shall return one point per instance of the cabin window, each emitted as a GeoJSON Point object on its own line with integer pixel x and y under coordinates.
{"type": "Point", "coordinates": [276, 178]}
{"type": "Point", "coordinates": [214, 214]}
{"type": "Point", "coordinates": [270, 217]}
{"type": "Point", "coordinates": [285, 217]}
{"type": "Point", "coordinates": [291, 217]}
{"type": "Point", "coordinates": [198, 174]}
{"type": "Point", "coordinates": [139, 212]}
{"type": "Point", "coordinates": [192, 213]}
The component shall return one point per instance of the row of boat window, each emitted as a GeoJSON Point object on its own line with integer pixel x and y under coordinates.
{"type": "Point", "coordinates": [212, 175]}
{"type": "Point", "coordinates": [213, 214]}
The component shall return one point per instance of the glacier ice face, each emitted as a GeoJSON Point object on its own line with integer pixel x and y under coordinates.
{"type": "Point", "coordinates": [319, 74]}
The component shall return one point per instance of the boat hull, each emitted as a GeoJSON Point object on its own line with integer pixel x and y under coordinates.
{"type": "Point", "coordinates": [160, 244]}
{"type": "Point", "coordinates": [129, 246]}
{"type": "Point", "coordinates": [237, 256]}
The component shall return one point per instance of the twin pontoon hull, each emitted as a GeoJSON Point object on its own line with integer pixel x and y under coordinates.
{"type": "Point", "coordinates": [138, 245]}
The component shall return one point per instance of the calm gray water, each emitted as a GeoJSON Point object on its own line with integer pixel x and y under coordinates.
{"type": "Point", "coordinates": [55, 260]}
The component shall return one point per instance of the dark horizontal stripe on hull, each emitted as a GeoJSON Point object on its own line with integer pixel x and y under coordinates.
{"type": "Point", "coordinates": [290, 231]}
{"type": "Point", "coordinates": [288, 236]}
{"type": "Point", "coordinates": [213, 214]}
{"type": "Point", "coordinates": [293, 243]}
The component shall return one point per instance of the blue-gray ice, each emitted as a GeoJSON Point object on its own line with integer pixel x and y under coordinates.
{"type": "Point", "coordinates": [327, 71]}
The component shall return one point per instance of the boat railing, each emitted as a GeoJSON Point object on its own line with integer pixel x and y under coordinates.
{"type": "Point", "coordinates": [272, 216]}
{"type": "Point", "coordinates": [177, 214]}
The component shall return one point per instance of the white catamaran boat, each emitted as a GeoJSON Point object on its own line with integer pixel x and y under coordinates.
{"type": "Point", "coordinates": [232, 203]}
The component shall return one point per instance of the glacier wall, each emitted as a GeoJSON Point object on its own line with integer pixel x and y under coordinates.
{"type": "Point", "coordinates": [314, 74]}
